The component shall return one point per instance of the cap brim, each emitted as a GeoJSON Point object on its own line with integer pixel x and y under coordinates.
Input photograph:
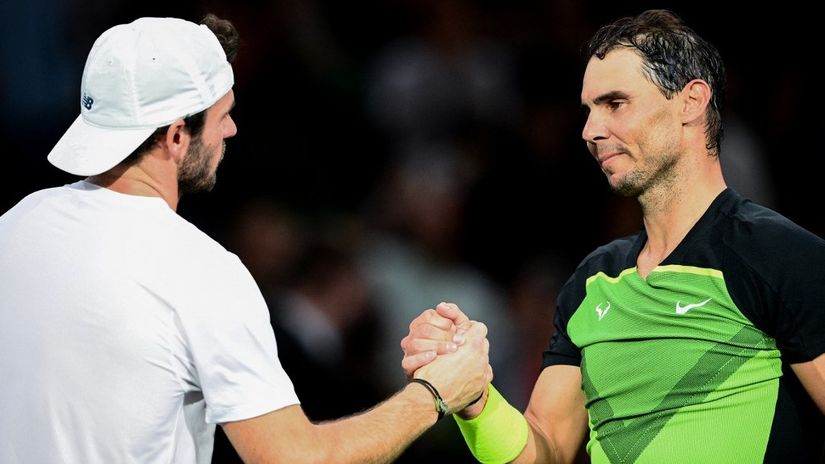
{"type": "Point", "coordinates": [87, 150]}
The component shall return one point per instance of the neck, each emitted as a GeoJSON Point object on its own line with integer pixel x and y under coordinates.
{"type": "Point", "coordinates": [146, 178]}
{"type": "Point", "coordinates": [670, 211]}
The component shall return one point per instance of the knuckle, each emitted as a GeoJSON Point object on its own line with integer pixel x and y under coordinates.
{"type": "Point", "coordinates": [434, 333]}
{"type": "Point", "coordinates": [416, 346]}
{"type": "Point", "coordinates": [416, 331]}
{"type": "Point", "coordinates": [425, 331]}
{"type": "Point", "coordinates": [482, 327]}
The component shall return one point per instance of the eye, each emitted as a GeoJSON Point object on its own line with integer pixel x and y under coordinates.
{"type": "Point", "coordinates": [614, 105]}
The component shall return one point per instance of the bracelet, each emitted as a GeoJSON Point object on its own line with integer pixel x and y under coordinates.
{"type": "Point", "coordinates": [440, 406]}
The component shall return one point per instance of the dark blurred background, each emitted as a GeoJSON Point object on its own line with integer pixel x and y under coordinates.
{"type": "Point", "coordinates": [393, 154]}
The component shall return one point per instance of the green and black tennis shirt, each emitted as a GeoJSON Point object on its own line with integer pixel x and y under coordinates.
{"type": "Point", "coordinates": [687, 364]}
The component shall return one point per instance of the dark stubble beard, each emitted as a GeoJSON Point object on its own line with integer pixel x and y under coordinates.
{"type": "Point", "coordinates": [195, 174]}
{"type": "Point", "coordinates": [661, 172]}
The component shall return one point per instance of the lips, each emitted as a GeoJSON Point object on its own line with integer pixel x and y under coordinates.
{"type": "Point", "coordinates": [604, 157]}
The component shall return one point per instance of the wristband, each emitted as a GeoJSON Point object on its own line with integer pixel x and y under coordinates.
{"type": "Point", "coordinates": [498, 434]}
{"type": "Point", "coordinates": [440, 406]}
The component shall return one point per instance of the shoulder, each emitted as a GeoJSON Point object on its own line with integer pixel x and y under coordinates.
{"type": "Point", "coordinates": [31, 200]}
{"type": "Point", "coordinates": [773, 269]}
{"type": "Point", "coordinates": [610, 259]}
{"type": "Point", "coordinates": [201, 254]}
{"type": "Point", "coordinates": [177, 257]}
{"type": "Point", "coordinates": [760, 234]}
{"type": "Point", "coordinates": [206, 284]}
{"type": "Point", "coordinates": [766, 257]}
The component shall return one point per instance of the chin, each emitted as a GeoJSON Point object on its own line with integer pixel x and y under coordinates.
{"type": "Point", "coordinates": [626, 187]}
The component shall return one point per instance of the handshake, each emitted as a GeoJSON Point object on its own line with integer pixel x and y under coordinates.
{"type": "Point", "coordinates": [450, 352]}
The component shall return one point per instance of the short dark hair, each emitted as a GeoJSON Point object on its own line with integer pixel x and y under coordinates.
{"type": "Point", "coordinates": [229, 39]}
{"type": "Point", "coordinates": [672, 55]}
{"type": "Point", "coordinates": [226, 33]}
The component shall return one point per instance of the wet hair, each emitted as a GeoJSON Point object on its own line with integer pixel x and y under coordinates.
{"type": "Point", "coordinates": [229, 39]}
{"type": "Point", "coordinates": [672, 55]}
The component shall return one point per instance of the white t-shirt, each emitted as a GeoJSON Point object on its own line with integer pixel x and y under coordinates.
{"type": "Point", "coordinates": [126, 333]}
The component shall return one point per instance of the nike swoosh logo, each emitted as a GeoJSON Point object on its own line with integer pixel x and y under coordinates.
{"type": "Point", "coordinates": [683, 309]}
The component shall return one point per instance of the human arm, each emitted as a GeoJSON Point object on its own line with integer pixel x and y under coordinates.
{"type": "Point", "coordinates": [556, 416]}
{"type": "Point", "coordinates": [377, 435]}
{"type": "Point", "coordinates": [812, 376]}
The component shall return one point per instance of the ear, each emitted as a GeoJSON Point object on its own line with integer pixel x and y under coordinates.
{"type": "Point", "coordinates": [695, 100]}
{"type": "Point", "coordinates": [177, 140]}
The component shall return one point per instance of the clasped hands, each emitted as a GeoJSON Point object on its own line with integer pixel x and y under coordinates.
{"type": "Point", "coordinates": [450, 351]}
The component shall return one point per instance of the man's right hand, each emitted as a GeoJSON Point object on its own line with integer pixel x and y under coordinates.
{"type": "Point", "coordinates": [434, 332]}
{"type": "Point", "coordinates": [461, 377]}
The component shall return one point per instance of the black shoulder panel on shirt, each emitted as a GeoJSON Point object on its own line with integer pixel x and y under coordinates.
{"type": "Point", "coordinates": [611, 259]}
{"type": "Point", "coordinates": [775, 272]}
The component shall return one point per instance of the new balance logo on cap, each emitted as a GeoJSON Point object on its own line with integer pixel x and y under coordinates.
{"type": "Point", "coordinates": [87, 101]}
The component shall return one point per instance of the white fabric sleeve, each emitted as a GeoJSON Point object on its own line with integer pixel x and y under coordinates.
{"type": "Point", "coordinates": [232, 346]}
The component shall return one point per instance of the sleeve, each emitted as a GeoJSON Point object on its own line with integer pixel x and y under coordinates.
{"type": "Point", "coordinates": [778, 281]}
{"type": "Point", "coordinates": [232, 346]}
{"type": "Point", "coordinates": [800, 318]}
{"type": "Point", "coordinates": [561, 349]}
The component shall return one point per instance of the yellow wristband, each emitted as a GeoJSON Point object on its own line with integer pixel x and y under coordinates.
{"type": "Point", "coordinates": [498, 434]}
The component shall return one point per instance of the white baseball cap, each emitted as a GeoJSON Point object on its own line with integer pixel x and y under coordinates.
{"type": "Point", "coordinates": [139, 77]}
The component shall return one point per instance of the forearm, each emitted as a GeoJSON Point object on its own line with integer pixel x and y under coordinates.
{"type": "Point", "coordinates": [539, 448]}
{"type": "Point", "coordinates": [812, 376]}
{"type": "Point", "coordinates": [496, 431]}
{"type": "Point", "coordinates": [549, 431]}
{"type": "Point", "coordinates": [377, 435]}
{"type": "Point", "coordinates": [380, 434]}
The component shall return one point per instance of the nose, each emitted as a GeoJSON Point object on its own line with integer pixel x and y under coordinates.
{"type": "Point", "coordinates": [230, 129]}
{"type": "Point", "coordinates": [594, 128]}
